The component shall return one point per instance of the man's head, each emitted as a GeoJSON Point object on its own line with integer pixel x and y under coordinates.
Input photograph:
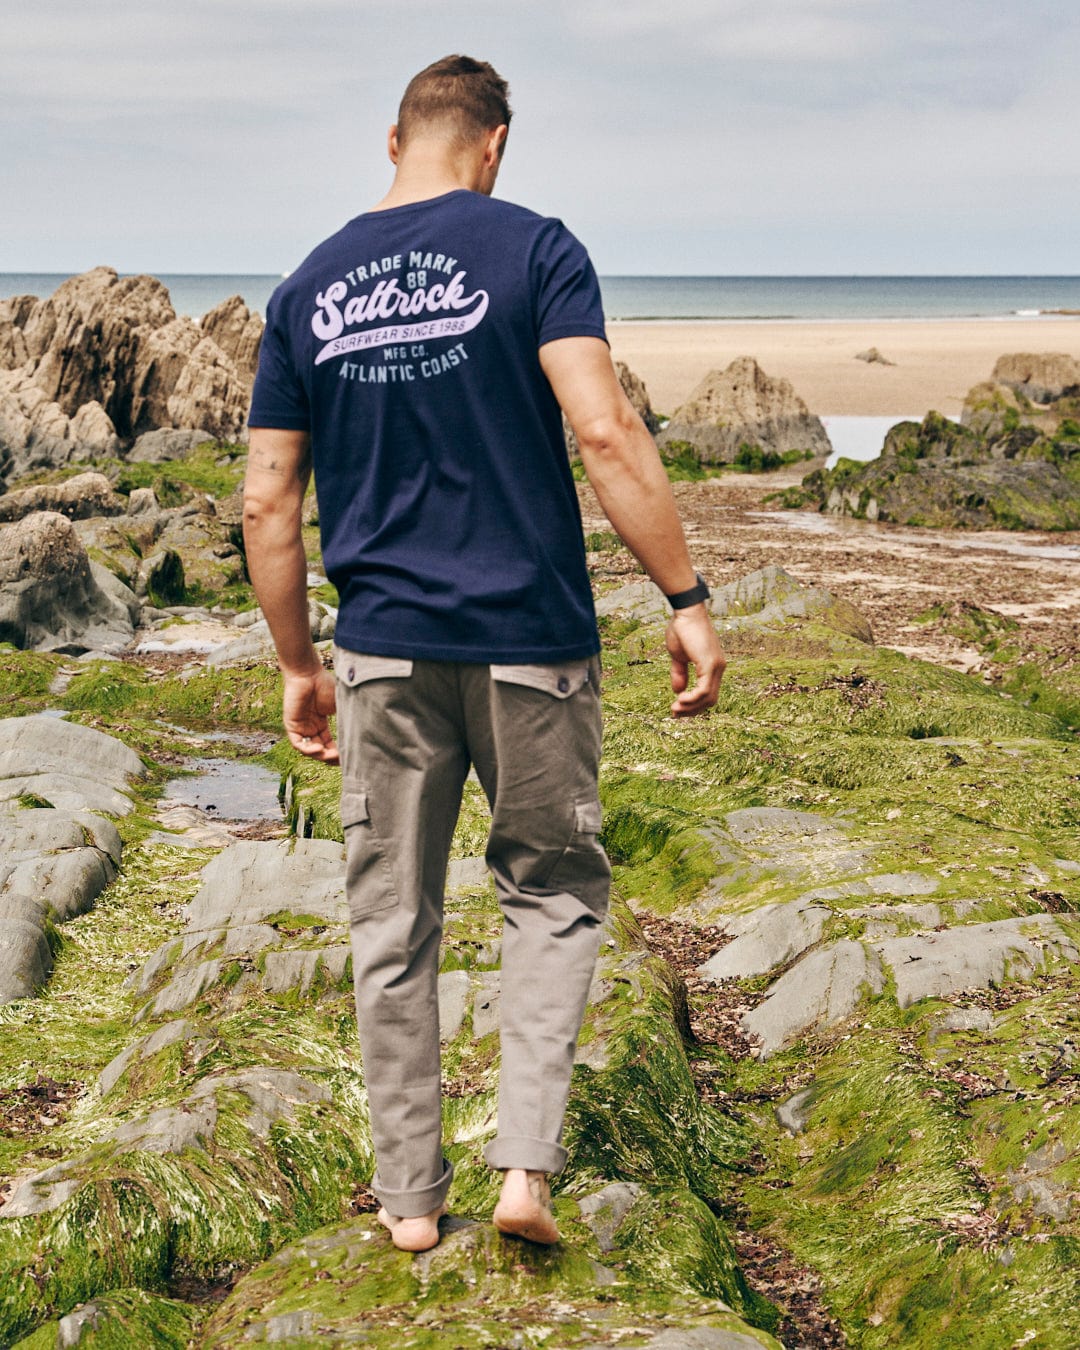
{"type": "Point", "coordinates": [457, 100]}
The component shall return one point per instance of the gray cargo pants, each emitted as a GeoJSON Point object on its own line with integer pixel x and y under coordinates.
{"type": "Point", "coordinates": [408, 732]}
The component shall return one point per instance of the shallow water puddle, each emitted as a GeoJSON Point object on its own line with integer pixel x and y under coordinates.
{"type": "Point", "coordinates": [227, 788]}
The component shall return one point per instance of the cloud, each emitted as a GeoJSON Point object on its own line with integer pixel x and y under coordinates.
{"type": "Point", "coordinates": [694, 135]}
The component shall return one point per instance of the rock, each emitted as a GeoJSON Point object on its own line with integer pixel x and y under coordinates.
{"type": "Point", "coordinates": [105, 359]}
{"type": "Point", "coordinates": [75, 768]}
{"type": "Point", "coordinates": [768, 936]}
{"type": "Point", "coordinates": [1042, 377]}
{"type": "Point", "coordinates": [454, 987]}
{"type": "Point", "coordinates": [933, 965]}
{"type": "Point", "coordinates": [474, 1284]}
{"type": "Point", "coordinates": [50, 599]}
{"type": "Point", "coordinates": [742, 406]}
{"type": "Point", "coordinates": [86, 494]}
{"type": "Point", "coordinates": [485, 1008]}
{"type": "Point", "coordinates": [465, 874]}
{"type": "Point", "coordinates": [169, 1034]}
{"type": "Point", "coordinates": [237, 331]}
{"type": "Point", "coordinates": [143, 502]}
{"type": "Point", "coordinates": [166, 443]}
{"type": "Point", "coordinates": [51, 870]}
{"type": "Point", "coordinates": [160, 578]}
{"type": "Point", "coordinates": [793, 1115]}
{"type": "Point", "coordinates": [1004, 466]}
{"type": "Point", "coordinates": [873, 356]}
{"type": "Point", "coordinates": [72, 1329]}
{"type": "Point", "coordinates": [36, 432]}
{"type": "Point", "coordinates": [25, 957]}
{"type": "Point", "coordinates": [604, 1210]}
{"type": "Point", "coordinates": [823, 988]}
{"type": "Point", "coordinates": [634, 389]}
{"type": "Point", "coordinates": [767, 596]}
{"type": "Point", "coordinates": [960, 1019]}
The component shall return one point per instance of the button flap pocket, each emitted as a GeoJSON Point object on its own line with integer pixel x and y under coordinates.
{"type": "Point", "coordinates": [560, 680]}
{"type": "Point", "coordinates": [354, 808]}
{"type": "Point", "coordinates": [353, 668]}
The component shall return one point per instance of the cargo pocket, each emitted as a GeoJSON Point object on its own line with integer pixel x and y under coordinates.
{"type": "Point", "coordinates": [560, 680]}
{"type": "Point", "coordinates": [583, 870]}
{"type": "Point", "coordinates": [369, 880]}
{"type": "Point", "coordinates": [353, 668]}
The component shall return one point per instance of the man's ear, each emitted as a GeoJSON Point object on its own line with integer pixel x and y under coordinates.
{"type": "Point", "coordinates": [496, 144]}
{"type": "Point", "coordinates": [392, 148]}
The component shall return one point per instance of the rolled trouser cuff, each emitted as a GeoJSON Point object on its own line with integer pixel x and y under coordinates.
{"type": "Point", "coordinates": [519, 1150]}
{"type": "Point", "coordinates": [414, 1204]}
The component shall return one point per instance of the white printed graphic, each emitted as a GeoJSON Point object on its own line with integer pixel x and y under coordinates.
{"type": "Point", "coordinates": [448, 311]}
{"type": "Point", "coordinates": [413, 332]}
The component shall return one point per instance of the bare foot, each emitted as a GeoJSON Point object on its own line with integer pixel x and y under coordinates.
{"type": "Point", "coordinates": [524, 1207]}
{"type": "Point", "coordinates": [413, 1235]}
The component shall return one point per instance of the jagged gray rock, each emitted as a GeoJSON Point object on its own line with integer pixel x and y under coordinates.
{"type": "Point", "coordinates": [105, 359]}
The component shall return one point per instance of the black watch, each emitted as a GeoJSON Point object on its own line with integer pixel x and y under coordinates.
{"type": "Point", "coordinates": [696, 595]}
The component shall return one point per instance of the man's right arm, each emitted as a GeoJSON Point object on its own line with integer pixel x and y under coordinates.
{"type": "Point", "coordinates": [624, 468]}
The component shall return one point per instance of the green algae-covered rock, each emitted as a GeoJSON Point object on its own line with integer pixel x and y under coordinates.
{"type": "Point", "coordinates": [129, 1319]}
{"type": "Point", "coordinates": [349, 1285]}
{"type": "Point", "coordinates": [1009, 465]}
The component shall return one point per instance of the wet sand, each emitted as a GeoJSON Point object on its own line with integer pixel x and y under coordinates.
{"type": "Point", "coordinates": [937, 361]}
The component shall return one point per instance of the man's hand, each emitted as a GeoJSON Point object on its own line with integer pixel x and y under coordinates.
{"type": "Point", "coordinates": [691, 640]}
{"type": "Point", "coordinates": [308, 702]}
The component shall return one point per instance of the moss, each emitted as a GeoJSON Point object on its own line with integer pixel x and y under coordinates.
{"type": "Point", "coordinates": [244, 697]}
{"type": "Point", "coordinates": [215, 467]}
{"type": "Point", "coordinates": [475, 1290]}
{"type": "Point", "coordinates": [129, 1319]}
{"type": "Point", "coordinates": [25, 678]}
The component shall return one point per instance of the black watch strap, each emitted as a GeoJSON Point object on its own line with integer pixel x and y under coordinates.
{"type": "Point", "coordinates": [696, 595]}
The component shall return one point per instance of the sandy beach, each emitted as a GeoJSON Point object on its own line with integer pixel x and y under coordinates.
{"type": "Point", "coordinates": [937, 361]}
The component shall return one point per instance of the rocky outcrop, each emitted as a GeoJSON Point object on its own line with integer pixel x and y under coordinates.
{"type": "Point", "coordinates": [743, 406]}
{"type": "Point", "coordinates": [634, 389]}
{"type": "Point", "coordinates": [84, 495]}
{"type": "Point", "coordinates": [35, 431]}
{"type": "Point", "coordinates": [115, 345]}
{"type": "Point", "coordinates": [52, 598]}
{"type": "Point", "coordinates": [1042, 377]}
{"type": "Point", "coordinates": [250, 1154]}
{"type": "Point", "coordinates": [1009, 463]}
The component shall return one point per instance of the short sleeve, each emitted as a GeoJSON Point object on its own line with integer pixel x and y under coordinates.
{"type": "Point", "coordinates": [565, 288]}
{"type": "Point", "coordinates": [278, 399]}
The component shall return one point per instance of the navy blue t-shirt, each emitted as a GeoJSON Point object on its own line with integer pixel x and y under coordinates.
{"type": "Point", "coordinates": [406, 344]}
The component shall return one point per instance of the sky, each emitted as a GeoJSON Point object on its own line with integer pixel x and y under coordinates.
{"type": "Point", "coordinates": [675, 137]}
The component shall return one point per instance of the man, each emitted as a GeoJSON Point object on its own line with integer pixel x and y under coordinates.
{"type": "Point", "coordinates": [418, 360]}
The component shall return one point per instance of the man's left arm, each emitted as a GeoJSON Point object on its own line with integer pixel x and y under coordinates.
{"type": "Point", "coordinates": [279, 467]}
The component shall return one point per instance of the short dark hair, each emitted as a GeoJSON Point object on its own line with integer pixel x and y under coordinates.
{"type": "Point", "coordinates": [460, 96]}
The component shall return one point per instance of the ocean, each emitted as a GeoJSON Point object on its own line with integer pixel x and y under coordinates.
{"type": "Point", "coordinates": [689, 299]}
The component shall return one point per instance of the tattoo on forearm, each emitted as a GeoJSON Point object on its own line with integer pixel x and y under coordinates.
{"type": "Point", "coordinates": [266, 460]}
